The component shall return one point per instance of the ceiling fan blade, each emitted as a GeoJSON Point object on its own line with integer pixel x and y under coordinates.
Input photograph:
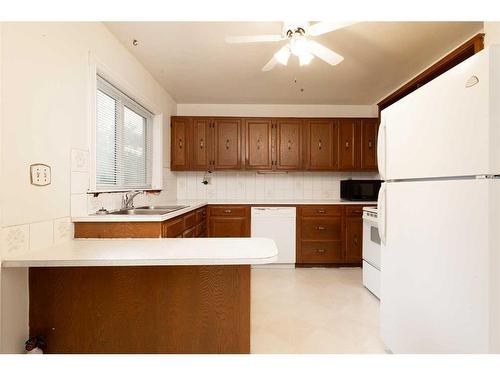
{"type": "Point", "coordinates": [254, 38]}
{"type": "Point", "coordinates": [324, 53]}
{"type": "Point", "coordinates": [270, 64]}
{"type": "Point", "coordinates": [326, 27]}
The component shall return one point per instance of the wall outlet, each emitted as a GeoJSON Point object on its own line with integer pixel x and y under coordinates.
{"type": "Point", "coordinates": [40, 174]}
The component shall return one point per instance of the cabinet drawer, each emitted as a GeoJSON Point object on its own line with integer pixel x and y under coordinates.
{"type": "Point", "coordinates": [316, 228]}
{"type": "Point", "coordinates": [190, 220]}
{"type": "Point", "coordinates": [354, 210]}
{"type": "Point", "coordinates": [236, 211]}
{"type": "Point", "coordinates": [319, 211]}
{"type": "Point", "coordinates": [173, 228]}
{"type": "Point", "coordinates": [320, 252]}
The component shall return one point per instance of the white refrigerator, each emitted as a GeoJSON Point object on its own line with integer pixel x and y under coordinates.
{"type": "Point", "coordinates": [439, 207]}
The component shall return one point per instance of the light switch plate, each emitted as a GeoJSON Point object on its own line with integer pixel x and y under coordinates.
{"type": "Point", "coordinates": [40, 174]}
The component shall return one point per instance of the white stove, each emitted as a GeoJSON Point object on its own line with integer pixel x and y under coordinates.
{"type": "Point", "coordinates": [371, 251]}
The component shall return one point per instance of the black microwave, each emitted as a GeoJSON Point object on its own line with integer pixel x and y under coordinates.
{"type": "Point", "coordinates": [359, 190]}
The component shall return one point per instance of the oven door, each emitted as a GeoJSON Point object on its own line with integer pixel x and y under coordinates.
{"type": "Point", "coordinates": [371, 243]}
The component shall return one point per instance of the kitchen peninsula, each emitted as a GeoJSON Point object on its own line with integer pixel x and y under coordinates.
{"type": "Point", "coordinates": [168, 295]}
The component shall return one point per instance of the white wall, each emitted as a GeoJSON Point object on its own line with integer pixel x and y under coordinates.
{"type": "Point", "coordinates": [280, 110]}
{"type": "Point", "coordinates": [45, 118]}
{"type": "Point", "coordinates": [492, 33]}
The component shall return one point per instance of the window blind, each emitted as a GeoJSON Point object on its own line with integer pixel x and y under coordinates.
{"type": "Point", "coordinates": [123, 140]}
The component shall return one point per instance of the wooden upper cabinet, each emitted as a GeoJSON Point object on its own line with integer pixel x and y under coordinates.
{"type": "Point", "coordinates": [273, 143]}
{"type": "Point", "coordinates": [321, 139]}
{"type": "Point", "coordinates": [258, 144]}
{"type": "Point", "coordinates": [227, 143]}
{"type": "Point", "coordinates": [288, 144]}
{"type": "Point", "coordinates": [180, 143]}
{"type": "Point", "coordinates": [369, 131]}
{"type": "Point", "coordinates": [349, 144]}
{"type": "Point", "coordinates": [200, 145]}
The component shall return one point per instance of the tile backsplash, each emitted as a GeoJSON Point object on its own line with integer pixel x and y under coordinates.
{"type": "Point", "coordinates": [252, 185]}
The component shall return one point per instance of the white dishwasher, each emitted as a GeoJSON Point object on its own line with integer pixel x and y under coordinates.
{"type": "Point", "coordinates": [277, 223]}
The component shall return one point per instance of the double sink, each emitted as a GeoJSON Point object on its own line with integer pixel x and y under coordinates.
{"type": "Point", "coordinates": [147, 210]}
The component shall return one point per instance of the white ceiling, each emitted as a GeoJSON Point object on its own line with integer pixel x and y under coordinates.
{"type": "Point", "coordinates": [195, 65]}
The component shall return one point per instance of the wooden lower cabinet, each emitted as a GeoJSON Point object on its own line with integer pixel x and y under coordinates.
{"type": "Point", "coordinates": [353, 239]}
{"type": "Point", "coordinates": [329, 235]}
{"type": "Point", "coordinates": [228, 221]}
{"type": "Point", "coordinates": [191, 224]}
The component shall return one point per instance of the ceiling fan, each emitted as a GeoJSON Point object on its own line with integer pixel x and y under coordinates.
{"type": "Point", "coordinates": [299, 43]}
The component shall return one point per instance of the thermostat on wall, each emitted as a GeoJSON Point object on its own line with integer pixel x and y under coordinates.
{"type": "Point", "coordinates": [40, 174]}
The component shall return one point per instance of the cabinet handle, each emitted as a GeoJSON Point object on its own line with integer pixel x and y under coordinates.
{"type": "Point", "coordinates": [355, 240]}
{"type": "Point", "coordinates": [258, 144]}
{"type": "Point", "coordinates": [320, 211]}
{"type": "Point", "coordinates": [180, 143]}
{"type": "Point", "coordinates": [289, 145]}
{"type": "Point", "coordinates": [202, 143]}
{"type": "Point", "coordinates": [227, 211]}
{"type": "Point", "coordinates": [321, 251]}
{"type": "Point", "coordinates": [370, 145]}
{"type": "Point", "coordinates": [346, 144]}
{"type": "Point", "coordinates": [227, 144]}
{"type": "Point", "coordinates": [357, 211]}
{"type": "Point", "coordinates": [320, 145]}
{"type": "Point", "coordinates": [320, 227]}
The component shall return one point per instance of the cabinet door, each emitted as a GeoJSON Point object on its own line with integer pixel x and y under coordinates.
{"type": "Point", "coordinates": [179, 143]}
{"type": "Point", "coordinates": [227, 144]}
{"type": "Point", "coordinates": [320, 144]}
{"type": "Point", "coordinates": [228, 227]}
{"type": "Point", "coordinates": [200, 145]}
{"type": "Point", "coordinates": [354, 239]}
{"type": "Point", "coordinates": [369, 143]}
{"type": "Point", "coordinates": [288, 144]}
{"type": "Point", "coordinates": [349, 144]}
{"type": "Point", "coordinates": [258, 144]}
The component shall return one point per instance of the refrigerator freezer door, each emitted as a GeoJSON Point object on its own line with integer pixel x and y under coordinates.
{"type": "Point", "coordinates": [448, 127]}
{"type": "Point", "coordinates": [438, 263]}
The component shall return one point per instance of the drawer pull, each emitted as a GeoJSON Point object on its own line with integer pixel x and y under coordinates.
{"type": "Point", "coordinates": [320, 227]}
{"type": "Point", "coordinates": [321, 211]}
{"type": "Point", "coordinates": [357, 211]}
{"type": "Point", "coordinates": [320, 251]}
{"type": "Point", "coordinates": [227, 211]}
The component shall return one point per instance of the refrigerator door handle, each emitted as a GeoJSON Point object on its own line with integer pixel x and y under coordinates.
{"type": "Point", "coordinates": [381, 205]}
{"type": "Point", "coordinates": [381, 148]}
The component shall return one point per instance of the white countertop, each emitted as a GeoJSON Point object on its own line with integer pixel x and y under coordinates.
{"type": "Point", "coordinates": [194, 204]}
{"type": "Point", "coordinates": [149, 252]}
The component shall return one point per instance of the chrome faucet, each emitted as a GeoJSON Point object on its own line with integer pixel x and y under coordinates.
{"type": "Point", "coordinates": [128, 199]}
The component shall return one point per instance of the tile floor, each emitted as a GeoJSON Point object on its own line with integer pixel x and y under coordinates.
{"type": "Point", "coordinates": [313, 311]}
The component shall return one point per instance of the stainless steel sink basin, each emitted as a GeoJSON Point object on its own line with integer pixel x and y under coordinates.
{"type": "Point", "coordinates": [148, 210]}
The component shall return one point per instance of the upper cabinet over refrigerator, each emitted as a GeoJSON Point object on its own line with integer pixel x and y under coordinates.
{"type": "Point", "coordinates": [450, 127]}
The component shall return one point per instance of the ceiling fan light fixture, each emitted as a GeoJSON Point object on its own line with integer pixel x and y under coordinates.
{"type": "Point", "coordinates": [305, 58]}
{"type": "Point", "coordinates": [283, 55]}
{"type": "Point", "coordinates": [299, 45]}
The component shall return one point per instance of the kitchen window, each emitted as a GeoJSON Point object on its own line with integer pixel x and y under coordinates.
{"type": "Point", "coordinates": [123, 141]}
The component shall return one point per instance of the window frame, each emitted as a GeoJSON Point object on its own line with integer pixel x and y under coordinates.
{"type": "Point", "coordinates": [96, 68]}
{"type": "Point", "coordinates": [123, 101]}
